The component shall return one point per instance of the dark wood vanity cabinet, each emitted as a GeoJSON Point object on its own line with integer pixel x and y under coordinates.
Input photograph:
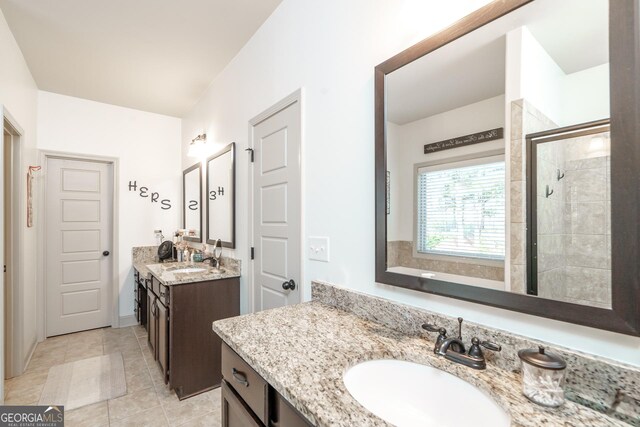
{"type": "Point", "coordinates": [248, 400]}
{"type": "Point", "coordinates": [152, 328]}
{"type": "Point", "coordinates": [179, 334]}
{"type": "Point", "coordinates": [140, 298]}
{"type": "Point", "coordinates": [235, 411]}
{"type": "Point", "coordinates": [163, 338]}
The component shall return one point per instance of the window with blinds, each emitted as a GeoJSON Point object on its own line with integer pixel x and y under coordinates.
{"type": "Point", "coordinates": [461, 209]}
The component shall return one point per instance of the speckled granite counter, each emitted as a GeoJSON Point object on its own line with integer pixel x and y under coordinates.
{"type": "Point", "coordinates": [143, 260]}
{"type": "Point", "coordinates": [303, 351]}
{"type": "Point", "coordinates": [167, 275]}
{"type": "Point", "coordinates": [142, 256]}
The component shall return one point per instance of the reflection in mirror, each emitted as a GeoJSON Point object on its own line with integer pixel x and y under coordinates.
{"type": "Point", "coordinates": [457, 124]}
{"type": "Point", "coordinates": [569, 223]}
{"type": "Point", "coordinates": [192, 203]}
{"type": "Point", "coordinates": [221, 197]}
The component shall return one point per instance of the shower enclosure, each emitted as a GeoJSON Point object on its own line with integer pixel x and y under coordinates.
{"type": "Point", "coordinates": [569, 214]}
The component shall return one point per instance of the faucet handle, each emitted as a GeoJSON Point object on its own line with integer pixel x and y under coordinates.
{"type": "Point", "coordinates": [491, 346]}
{"type": "Point", "coordinates": [442, 334]}
{"type": "Point", "coordinates": [476, 351]}
{"type": "Point", "coordinates": [433, 328]}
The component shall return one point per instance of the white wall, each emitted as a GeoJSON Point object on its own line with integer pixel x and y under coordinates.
{"type": "Point", "coordinates": [407, 142]}
{"type": "Point", "coordinates": [567, 99]}
{"type": "Point", "coordinates": [541, 79]}
{"type": "Point", "coordinates": [330, 49]}
{"type": "Point", "coordinates": [18, 94]}
{"type": "Point", "coordinates": [586, 95]}
{"type": "Point", "coordinates": [147, 146]}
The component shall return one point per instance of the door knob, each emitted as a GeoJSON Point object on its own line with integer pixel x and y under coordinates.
{"type": "Point", "coordinates": [105, 253]}
{"type": "Point", "coordinates": [289, 286]}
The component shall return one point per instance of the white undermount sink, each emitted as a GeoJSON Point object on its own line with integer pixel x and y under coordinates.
{"type": "Point", "coordinates": [409, 394]}
{"type": "Point", "coordinates": [189, 270]}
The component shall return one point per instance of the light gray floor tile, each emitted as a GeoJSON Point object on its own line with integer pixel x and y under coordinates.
{"type": "Point", "coordinates": [132, 403]}
{"type": "Point", "coordinates": [95, 415]}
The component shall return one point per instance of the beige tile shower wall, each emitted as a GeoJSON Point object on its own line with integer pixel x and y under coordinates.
{"type": "Point", "coordinates": [588, 220]}
{"type": "Point", "coordinates": [525, 119]}
{"type": "Point", "coordinates": [400, 254]}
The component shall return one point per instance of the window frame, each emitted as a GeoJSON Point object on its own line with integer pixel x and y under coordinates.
{"type": "Point", "coordinates": [478, 158]}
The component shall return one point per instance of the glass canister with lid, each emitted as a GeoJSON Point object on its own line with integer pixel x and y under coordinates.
{"type": "Point", "coordinates": [542, 376]}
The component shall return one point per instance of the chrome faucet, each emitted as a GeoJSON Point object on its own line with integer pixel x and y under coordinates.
{"type": "Point", "coordinates": [214, 260]}
{"type": "Point", "coordinates": [453, 348]}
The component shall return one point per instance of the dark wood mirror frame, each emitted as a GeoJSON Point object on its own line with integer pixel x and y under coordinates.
{"type": "Point", "coordinates": [624, 53]}
{"type": "Point", "coordinates": [229, 148]}
{"type": "Point", "coordinates": [198, 165]}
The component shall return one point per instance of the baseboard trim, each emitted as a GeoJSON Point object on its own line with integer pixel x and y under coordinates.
{"type": "Point", "coordinates": [126, 321]}
{"type": "Point", "coordinates": [29, 356]}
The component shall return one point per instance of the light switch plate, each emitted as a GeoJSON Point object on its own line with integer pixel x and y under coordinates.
{"type": "Point", "coordinates": [318, 248]}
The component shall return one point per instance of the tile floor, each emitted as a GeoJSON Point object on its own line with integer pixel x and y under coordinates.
{"type": "Point", "coordinates": [148, 401]}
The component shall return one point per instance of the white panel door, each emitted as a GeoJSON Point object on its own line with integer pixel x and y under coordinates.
{"type": "Point", "coordinates": [276, 215]}
{"type": "Point", "coordinates": [79, 206]}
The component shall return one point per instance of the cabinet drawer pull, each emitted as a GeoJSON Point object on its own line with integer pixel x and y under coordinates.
{"type": "Point", "coordinates": [240, 377]}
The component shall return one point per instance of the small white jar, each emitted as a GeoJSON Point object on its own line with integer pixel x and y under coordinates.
{"type": "Point", "coordinates": [542, 376]}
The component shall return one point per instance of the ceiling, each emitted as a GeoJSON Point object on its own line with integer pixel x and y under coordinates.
{"type": "Point", "coordinates": [573, 32]}
{"type": "Point", "coordinates": [151, 55]}
{"type": "Point", "coordinates": [447, 80]}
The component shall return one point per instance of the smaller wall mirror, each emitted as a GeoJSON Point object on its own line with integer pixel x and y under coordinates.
{"type": "Point", "coordinates": [221, 197]}
{"type": "Point", "coordinates": [192, 203]}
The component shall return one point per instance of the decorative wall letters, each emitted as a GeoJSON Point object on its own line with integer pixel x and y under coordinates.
{"type": "Point", "coordinates": [154, 197]}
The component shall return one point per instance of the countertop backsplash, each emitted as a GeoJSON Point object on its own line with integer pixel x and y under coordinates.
{"type": "Point", "coordinates": [604, 385]}
{"type": "Point", "coordinates": [144, 254]}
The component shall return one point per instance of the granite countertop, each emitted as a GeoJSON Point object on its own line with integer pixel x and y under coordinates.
{"type": "Point", "coordinates": [166, 274]}
{"type": "Point", "coordinates": [142, 268]}
{"type": "Point", "coordinates": [303, 351]}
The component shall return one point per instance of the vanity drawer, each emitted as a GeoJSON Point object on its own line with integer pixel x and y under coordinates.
{"type": "Point", "coordinates": [161, 291]}
{"type": "Point", "coordinates": [245, 381]}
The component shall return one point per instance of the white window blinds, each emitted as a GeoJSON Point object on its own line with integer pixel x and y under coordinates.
{"type": "Point", "coordinates": [461, 209]}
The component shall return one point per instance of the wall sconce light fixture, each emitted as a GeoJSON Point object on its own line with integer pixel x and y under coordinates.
{"type": "Point", "coordinates": [197, 148]}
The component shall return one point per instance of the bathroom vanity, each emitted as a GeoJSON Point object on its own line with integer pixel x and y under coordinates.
{"type": "Point", "coordinates": [312, 345]}
{"type": "Point", "coordinates": [248, 400]}
{"type": "Point", "coordinates": [177, 302]}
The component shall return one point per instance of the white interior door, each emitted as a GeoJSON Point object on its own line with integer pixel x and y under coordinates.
{"type": "Point", "coordinates": [276, 214]}
{"type": "Point", "coordinates": [79, 206]}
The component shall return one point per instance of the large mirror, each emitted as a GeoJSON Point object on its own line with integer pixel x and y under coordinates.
{"type": "Point", "coordinates": [192, 203]}
{"type": "Point", "coordinates": [221, 197]}
{"type": "Point", "coordinates": [495, 161]}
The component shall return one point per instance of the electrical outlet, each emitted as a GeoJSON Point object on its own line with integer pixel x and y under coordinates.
{"type": "Point", "coordinates": [318, 248]}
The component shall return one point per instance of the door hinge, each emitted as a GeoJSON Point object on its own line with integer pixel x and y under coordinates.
{"type": "Point", "coordinates": [252, 253]}
{"type": "Point", "coordinates": [5, 267]}
{"type": "Point", "coordinates": [250, 150]}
